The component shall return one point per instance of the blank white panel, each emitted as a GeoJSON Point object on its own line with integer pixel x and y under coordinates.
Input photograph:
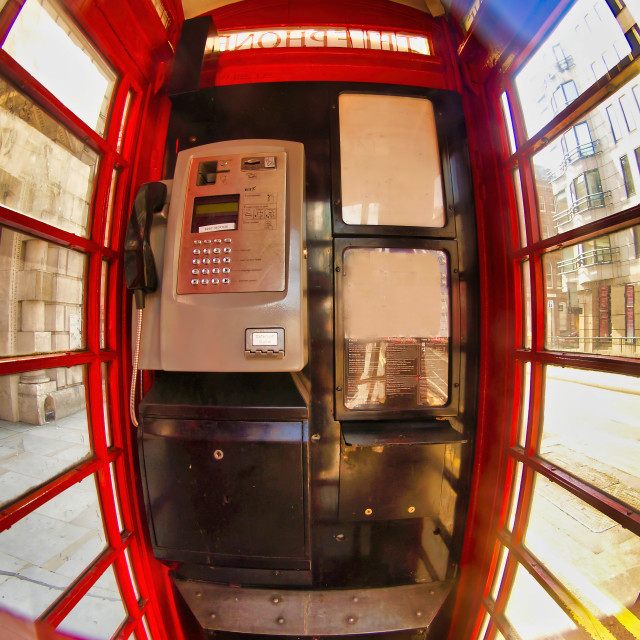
{"type": "Point", "coordinates": [390, 162]}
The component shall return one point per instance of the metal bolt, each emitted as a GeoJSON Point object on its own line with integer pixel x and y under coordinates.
{"type": "Point", "coordinates": [411, 509]}
{"type": "Point", "coordinates": [280, 620]}
{"type": "Point", "coordinates": [432, 592]}
{"type": "Point", "coordinates": [355, 599]}
{"type": "Point", "coordinates": [351, 620]}
{"type": "Point", "coordinates": [212, 616]}
{"type": "Point", "coordinates": [338, 388]}
{"type": "Point", "coordinates": [315, 437]}
{"type": "Point", "coordinates": [419, 614]}
{"type": "Point", "coordinates": [368, 512]}
{"type": "Point", "coordinates": [275, 599]}
{"type": "Point", "coordinates": [198, 594]}
{"type": "Point", "coordinates": [218, 454]}
{"type": "Point", "coordinates": [339, 537]}
{"type": "Point", "coordinates": [337, 269]}
{"type": "Point", "coordinates": [192, 139]}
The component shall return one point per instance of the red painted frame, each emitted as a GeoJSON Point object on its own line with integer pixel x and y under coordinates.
{"type": "Point", "coordinates": [499, 418]}
{"type": "Point", "coordinates": [148, 114]}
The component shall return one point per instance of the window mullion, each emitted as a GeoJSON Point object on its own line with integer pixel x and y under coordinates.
{"type": "Point", "coordinates": [59, 610]}
{"type": "Point", "coordinates": [36, 498]}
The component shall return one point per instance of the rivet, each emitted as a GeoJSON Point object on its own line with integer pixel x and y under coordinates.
{"type": "Point", "coordinates": [212, 616]}
{"type": "Point", "coordinates": [419, 614]}
{"type": "Point", "coordinates": [192, 139]}
{"type": "Point", "coordinates": [339, 537]}
{"type": "Point", "coordinates": [355, 599]}
{"type": "Point", "coordinates": [432, 593]}
{"type": "Point", "coordinates": [368, 512]}
{"type": "Point", "coordinates": [275, 599]}
{"type": "Point", "coordinates": [337, 269]}
{"type": "Point", "coordinates": [280, 621]}
{"type": "Point", "coordinates": [351, 620]}
{"type": "Point", "coordinates": [411, 509]}
{"type": "Point", "coordinates": [218, 454]}
{"type": "Point", "coordinates": [198, 594]}
{"type": "Point", "coordinates": [315, 437]}
{"type": "Point", "coordinates": [338, 388]}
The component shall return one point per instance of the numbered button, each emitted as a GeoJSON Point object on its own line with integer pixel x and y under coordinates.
{"type": "Point", "coordinates": [217, 241]}
{"type": "Point", "coordinates": [215, 281]}
{"type": "Point", "coordinates": [227, 249]}
{"type": "Point", "coordinates": [196, 252]}
{"type": "Point", "coordinates": [204, 261]}
{"type": "Point", "coordinates": [227, 260]}
{"type": "Point", "coordinates": [226, 281]}
{"type": "Point", "coordinates": [216, 250]}
{"type": "Point", "coordinates": [204, 281]}
{"type": "Point", "coordinates": [197, 242]}
{"type": "Point", "coordinates": [195, 261]}
{"type": "Point", "coordinates": [195, 272]}
{"type": "Point", "coordinates": [227, 240]}
{"type": "Point", "coordinates": [207, 241]}
{"type": "Point", "coordinates": [226, 270]}
{"type": "Point", "coordinates": [205, 272]}
{"type": "Point", "coordinates": [206, 251]}
{"type": "Point", "coordinates": [195, 281]}
{"type": "Point", "coordinates": [215, 270]}
{"type": "Point", "coordinates": [215, 260]}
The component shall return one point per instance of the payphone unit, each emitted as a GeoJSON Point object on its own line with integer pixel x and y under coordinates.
{"type": "Point", "coordinates": [231, 267]}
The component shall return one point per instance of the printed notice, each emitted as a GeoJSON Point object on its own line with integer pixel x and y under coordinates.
{"type": "Point", "coordinates": [264, 339]}
{"type": "Point", "coordinates": [259, 211]}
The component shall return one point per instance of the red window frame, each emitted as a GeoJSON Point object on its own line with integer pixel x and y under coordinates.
{"type": "Point", "coordinates": [138, 158]}
{"type": "Point", "coordinates": [477, 616]}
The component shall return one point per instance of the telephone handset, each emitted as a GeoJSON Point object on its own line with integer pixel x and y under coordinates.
{"type": "Point", "coordinates": [232, 295]}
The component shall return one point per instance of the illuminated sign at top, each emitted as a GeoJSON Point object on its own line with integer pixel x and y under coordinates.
{"type": "Point", "coordinates": [321, 37]}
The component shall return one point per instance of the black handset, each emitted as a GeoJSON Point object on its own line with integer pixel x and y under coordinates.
{"type": "Point", "coordinates": [139, 267]}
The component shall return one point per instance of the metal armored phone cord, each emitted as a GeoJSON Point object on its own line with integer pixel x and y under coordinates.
{"type": "Point", "coordinates": [134, 373]}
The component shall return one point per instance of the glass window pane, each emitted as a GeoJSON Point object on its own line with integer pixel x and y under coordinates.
{"type": "Point", "coordinates": [506, 112]}
{"type": "Point", "coordinates": [42, 287]}
{"type": "Point", "coordinates": [100, 613]}
{"type": "Point", "coordinates": [497, 579]}
{"type": "Point", "coordinates": [53, 50]}
{"type": "Point", "coordinates": [593, 557]}
{"type": "Point", "coordinates": [524, 405]}
{"type": "Point", "coordinates": [112, 468]}
{"type": "Point", "coordinates": [123, 123]}
{"type": "Point", "coordinates": [515, 495]}
{"type": "Point", "coordinates": [590, 171]}
{"type": "Point", "coordinates": [592, 429]}
{"type": "Point", "coordinates": [44, 552]}
{"type": "Point", "coordinates": [45, 172]}
{"type": "Point", "coordinates": [105, 402]}
{"type": "Point", "coordinates": [400, 133]}
{"type": "Point", "coordinates": [112, 195]}
{"type": "Point", "coordinates": [43, 428]}
{"type": "Point", "coordinates": [595, 310]}
{"type": "Point", "coordinates": [526, 293]}
{"type": "Point", "coordinates": [546, 85]}
{"type": "Point", "coordinates": [533, 613]}
{"type": "Point", "coordinates": [132, 574]}
{"type": "Point", "coordinates": [103, 303]}
{"type": "Point", "coordinates": [517, 186]}
{"type": "Point", "coordinates": [397, 354]}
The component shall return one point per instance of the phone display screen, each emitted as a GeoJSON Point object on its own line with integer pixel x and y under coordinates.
{"type": "Point", "coordinates": [215, 213]}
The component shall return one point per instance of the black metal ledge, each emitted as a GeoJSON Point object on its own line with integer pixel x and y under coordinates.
{"type": "Point", "coordinates": [313, 612]}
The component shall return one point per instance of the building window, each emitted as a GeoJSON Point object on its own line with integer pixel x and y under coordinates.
{"type": "Point", "coordinates": [563, 95]}
{"type": "Point", "coordinates": [627, 112]}
{"type": "Point", "coordinates": [577, 143]}
{"type": "Point", "coordinates": [614, 122]}
{"type": "Point", "coordinates": [586, 191]}
{"type": "Point", "coordinates": [628, 178]}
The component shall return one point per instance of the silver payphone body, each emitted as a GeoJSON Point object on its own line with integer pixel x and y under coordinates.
{"type": "Point", "coordinates": [231, 265]}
